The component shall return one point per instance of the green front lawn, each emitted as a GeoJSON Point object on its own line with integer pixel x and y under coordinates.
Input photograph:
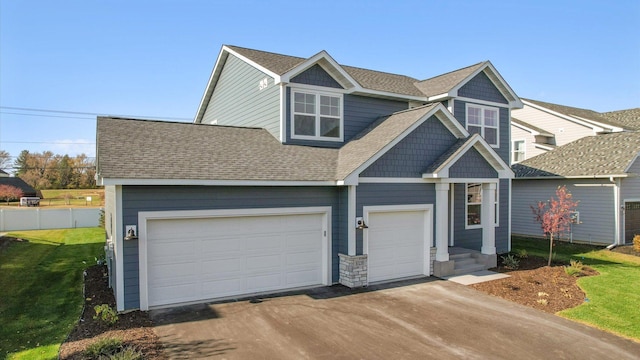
{"type": "Point", "coordinates": [41, 289]}
{"type": "Point", "coordinates": [613, 297]}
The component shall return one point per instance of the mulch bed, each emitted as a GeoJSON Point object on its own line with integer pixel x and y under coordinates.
{"type": "Point", "coordinates": [133, 328]}
{"type": "Point", "coordinates": [626, 249]}
{"type": "Point", "coordinates": [537, 285]}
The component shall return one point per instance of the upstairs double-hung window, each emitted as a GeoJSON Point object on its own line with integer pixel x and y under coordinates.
{"type": "Point", "coordinates": [317, 116]}
{"type": "Point", "coordinates": [484, 120]}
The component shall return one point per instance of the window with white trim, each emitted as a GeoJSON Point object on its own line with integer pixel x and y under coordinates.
{"type": "Point", "coordinates": [316, 116]}
{"type": "Point", "coordinates": [484, 120]}
{"type": "Point", "coordinates": [517, 151]}
{"type": "Point", "coordinates": [473, 196]}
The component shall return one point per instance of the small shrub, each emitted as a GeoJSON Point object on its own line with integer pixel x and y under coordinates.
{"type": "Point", "coordinates": [510, 262]}
{"type": "Point", "coordinates": [542, 302]}
{"type": "Point", "coordinates": [522, 253]}
{"type": "Point", "coordinates": [103, 347]}
{"type": "Point", "coordinates": [574, 268]}
{"type": "Point", "coordinates": [106, 314]}
{"type": "Point", "coordinates": [636, 243]}
{"type": "Point", "coordinates": [128, 353]}
{"type": "Point", "coordinates": [542, 294]}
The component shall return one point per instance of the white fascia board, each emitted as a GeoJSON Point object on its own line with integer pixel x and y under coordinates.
{"type": "Point", "coordinates": [609, 127]}
{"type": "Point", "coordinates": [543, 146]}
{"type": "Point", "coordinates": [558, 177]}
{"type": "Point", "coordinates": [208, 90]}
{"type": "Point", "coordinates": [530, 130]}
{"type": "Point", "coordinates": [565, 117]}
{"type": "Point", "coordinates": [352, 179]}
{"type": "Point", "coordinates": [390, 180]}
{"type": "Point", "coordinates": [440, 97]}
{"type": "Point", "coordinates": [387, 95]}
{"type": "Point", "coordinates": [192, 182]}
{"type": "Point", "coordinates": [462, 180]}
{"type": "Point", "coordinates": [275, 76]}
{"type": "Point", "coordinates": [635, 158]}
{"type": "Point", "coordinates": [318, 58]}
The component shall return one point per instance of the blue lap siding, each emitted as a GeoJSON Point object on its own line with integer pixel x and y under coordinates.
{"type": "Point", "coordinates": [174, 198]}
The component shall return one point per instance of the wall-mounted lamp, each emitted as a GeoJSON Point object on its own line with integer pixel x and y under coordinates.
{"type": "Point", "coordinates": [131, 233]}
{"type": "Point", "coordinates": [360, 224]}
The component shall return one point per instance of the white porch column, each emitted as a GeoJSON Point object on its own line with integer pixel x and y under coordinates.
{"type": "Point", "coordinates": [351, 221]}
{"type": "Point", "coordinates": [488, 218]}
{"type": "Point", "coordinates": [442, 221]}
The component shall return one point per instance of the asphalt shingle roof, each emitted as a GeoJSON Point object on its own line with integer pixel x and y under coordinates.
{"type": "Point", "coordinates": [577, 112]}
{"type": "Point", "coordinates": [27, 189]}
{"type": "Point", "coordinates": [368, 79]}
{"type": "Point", "coordinates": [599, 155]}
{"type": "Point", "coordinates": [142, 149]}
{"type": "Point", "coordinates": [629, 119]}
{"type": "Point", "coordinates": [443, 83]}
{"type": "Point", "coordinates": [146, 149]}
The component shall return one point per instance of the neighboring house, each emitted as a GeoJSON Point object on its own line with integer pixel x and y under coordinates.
{"type": "Point", "coordinates": [27, 190]}
{"type": "Point", "coordinates": [3, 173]}
{"type": "Point", "coordinates": [540, 127]}
{"type": "Point", "coordinates": [301, 172]}
{"type": "Point", "coordinates": [602, 172]}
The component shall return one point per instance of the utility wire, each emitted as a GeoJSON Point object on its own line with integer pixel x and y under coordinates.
{"type": "Point", "coordinates": [89, 113]}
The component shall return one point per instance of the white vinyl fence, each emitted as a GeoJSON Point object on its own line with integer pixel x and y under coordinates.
{"type": "Point", "coordinates": [37, 219]}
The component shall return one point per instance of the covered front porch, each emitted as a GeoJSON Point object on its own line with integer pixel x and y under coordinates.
{"type": "Point", "coordinates": [479, 216]}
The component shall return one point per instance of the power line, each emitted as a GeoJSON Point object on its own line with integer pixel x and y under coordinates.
{"type": "Point", "coordinates": [90, 113]}
{"type": "Point", "coordinates": [48, 116]}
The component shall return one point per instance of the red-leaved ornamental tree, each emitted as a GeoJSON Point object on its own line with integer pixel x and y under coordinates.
{"type": "Point", "coordinates": [554, 215]}
{"type": "Point", "coordinates": [8, 193]}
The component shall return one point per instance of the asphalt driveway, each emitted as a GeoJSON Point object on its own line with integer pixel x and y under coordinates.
{"type": "Point", "coordinates": [408, 320]}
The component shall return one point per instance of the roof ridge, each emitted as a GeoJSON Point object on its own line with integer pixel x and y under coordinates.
{"type": "Point", "coordinates": [266, 52]}
{"type": "Point", "coordinates": [178, 122]}
{"type": "Point", "coordinates": [378, 71]}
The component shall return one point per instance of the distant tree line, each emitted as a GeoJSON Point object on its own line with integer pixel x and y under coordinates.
{"type": "Point", "coordinates": [47, 170]}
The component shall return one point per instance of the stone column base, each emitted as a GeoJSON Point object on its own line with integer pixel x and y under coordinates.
{"type": "Point", "coordinates": [353, 270]}
{"type": "Point", "coordinates": [443, 268]}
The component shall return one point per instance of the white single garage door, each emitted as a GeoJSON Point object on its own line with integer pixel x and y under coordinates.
{"type": "Point", "coordinates": [196, 259]}
{"type": "Point", "coordinates": [396, 244]}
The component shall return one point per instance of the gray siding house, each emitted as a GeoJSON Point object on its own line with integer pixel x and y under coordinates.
{"type": "Point", "coordinates": [302, 172]}
{"type": "Point", "coordinates": [602, 172]}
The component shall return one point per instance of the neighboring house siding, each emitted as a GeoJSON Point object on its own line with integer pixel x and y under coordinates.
{"type": "Point", "coordinates": [368, 194]}
{"type": "Point", "coordinates": [630, 186]}
{"type": "Point", "coordinates": [565, 131]}
{"type": "Point", "coordinates": [472, 165]}
{"type": "Point", "coordinates": [529, 142]}
{"type": "Point", "coordinates": [472, 238]}
{"type": "Point", "coordinates": [482, 88]}
{"type": "Point", "coordinates": [316, 75]}
{"type": "Point", "coordinates": [166, 198]}
{"type": "Point", "coordinates": [238, 100]}
{"type": "Point", "coordinates": [411, 156]}
{"type": "Point", "coordinates": [359, 112]}
{"type": "Point", "coordinates": [460, 113]}
{"type": "Point", "coordinates": [596, 207]}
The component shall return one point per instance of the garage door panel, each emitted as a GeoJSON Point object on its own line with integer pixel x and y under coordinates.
{"type": "Point", "coordinates": [395, 244]}
{"type": "Point", "coordinates": [219, 257]}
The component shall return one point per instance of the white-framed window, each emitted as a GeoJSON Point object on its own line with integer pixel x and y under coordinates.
{"type": "Point", "coordinates": [484, 120]}
{"type": "Point", "coordinates": [517, 151]}
{"type": "Point", "coordinates": [316, 116]}
{"type": "Point", "coordinates": [473, 209]}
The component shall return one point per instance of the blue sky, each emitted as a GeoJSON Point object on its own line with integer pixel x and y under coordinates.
{"type": "Point", "coordinates": [153, 58]}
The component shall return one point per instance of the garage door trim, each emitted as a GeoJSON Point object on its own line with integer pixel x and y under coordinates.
{"type": "Point", "coordinates": [145, 216]}
{"type": "Point", "coordinates": [428, 227]}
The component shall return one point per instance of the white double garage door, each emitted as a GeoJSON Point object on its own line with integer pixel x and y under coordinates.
{"type": "Point", "coordinates": [192, 256]}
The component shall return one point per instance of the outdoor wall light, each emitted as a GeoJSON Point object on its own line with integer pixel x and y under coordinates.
{"type": "Point", "coordinates": [131, 233]}
{"type": "Point", "coordinates": [360, 224]}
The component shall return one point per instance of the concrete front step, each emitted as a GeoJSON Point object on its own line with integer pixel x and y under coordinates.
{"type": "Point", "coordinates": [459, 256]}
{"type": "Point", "coordinates": [468, 268]}
{"type": "Point", "coordinates": [465, 262]}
